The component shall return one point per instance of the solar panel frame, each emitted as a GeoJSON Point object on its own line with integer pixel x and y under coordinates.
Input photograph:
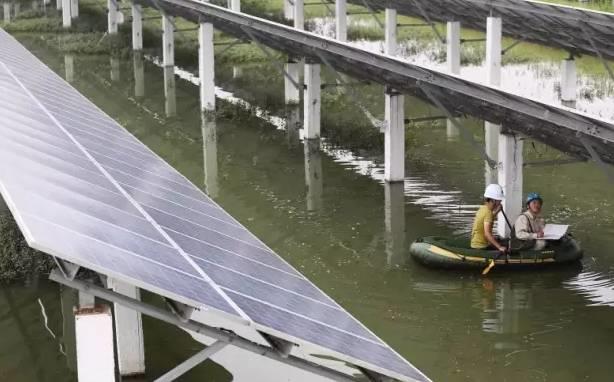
{"type": "Point", "coordinates": [314, 307]}
{"type": "Point", "coordinates": [550, 24]}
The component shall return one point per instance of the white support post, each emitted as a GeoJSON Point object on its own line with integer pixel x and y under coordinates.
{"type": "Point", "coordinates": [16, 9]}
{"type": "Point", "coordinates": [493, 74]}
{"type": "Point", "coordinates": [139, 75]}
{"type": "Point", "coordinates": [395, 222]}
{"type": "Point", "coordinates": [313, 174]}
{"type": "Point", "coordinates": [390, 46]}
{"type": "Point", "coordinates": [452, 132]}
{"type": "Point", "coordinates": [341, 20]}
{"type": "Point", "coordinates": [209, 132]}
{"type": "Point", "coordinates": [95, 352]}
{"type": "Point", "coordinates": [128, 332]}
{"type": "Point", "coordinates": [234, 5]}
{"type": "Point", "coordinates": [168, 41]}
{"type": "Point", "coordinates": [493, 50]}
{"type": "Point", "coordinates": [111, 17]}
{"type": "Point", "coordinates": [288, 9]}
{"type": "Point", "coordinates": [299, 14]}
{"type": "Point", "coordinates": [394, 141]}
{"type": "Point", "coordinates": [569, 79]}
{"type": "Point", "coordinates": [58, 5]}
{"type": "Point", "coordinates": [170, 93]}
{"type": "Point", "coordinates": [291, 92]}
{"type": "Point", "coordinates": [312, 101]}
{"type": "Point", "coordinates": [69, 67]}
{"type": "Point", "coordinates": [137, 27]}
{"type": "Point", "coordinates": [206, 67]}
{"type": "Point", "coordinates": [453, 45]}
{"type": "Point", "coordinates": [510, 178]}
{"type": "Point", "coordinates": [491, 143]}
{"type": "Point", "coordinates": [66, 14]}
{"type": "Point", "coordinates": [7, 12]}
{"type": "Point", "coordinates": [74, 8]}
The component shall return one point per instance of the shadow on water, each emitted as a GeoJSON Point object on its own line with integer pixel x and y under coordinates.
{"type": "Point", "coordinates": [327, 212]}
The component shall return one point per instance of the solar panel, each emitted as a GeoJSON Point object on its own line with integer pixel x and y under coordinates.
{"type": "Point", "coordinates": [85, 190]}
{"type": "Point", "coordinates": [551, 24]}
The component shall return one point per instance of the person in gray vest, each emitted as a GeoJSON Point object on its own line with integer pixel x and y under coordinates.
{"type": "Point", "coordinates": [529, 227]}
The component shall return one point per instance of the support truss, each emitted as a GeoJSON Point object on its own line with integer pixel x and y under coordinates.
{"type": "Point", "coordinates": [220, 335]}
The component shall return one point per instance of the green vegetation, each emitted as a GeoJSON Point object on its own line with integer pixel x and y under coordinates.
{"type": "Point", "coordinates": [17, 260]}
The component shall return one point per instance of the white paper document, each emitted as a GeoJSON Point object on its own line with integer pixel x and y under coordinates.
{"type": "Point", "coordinates": [555, 231]}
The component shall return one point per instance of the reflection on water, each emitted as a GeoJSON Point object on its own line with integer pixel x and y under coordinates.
{"type": "Point", "coordinates": [502, 306]}
{"type": "Point", "coordinates": [597, 287]}
{"type": "Point", "coordinates": [313, 174]}
{"type": "Point", "coordinates": [210, 154]}
{"type": "Point", "coordinates": [139, 75]}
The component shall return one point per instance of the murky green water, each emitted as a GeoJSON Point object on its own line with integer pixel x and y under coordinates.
{"type": "Point", "coordinates": [326, 212]}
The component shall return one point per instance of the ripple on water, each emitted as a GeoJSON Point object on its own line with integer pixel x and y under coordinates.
{"type": "Point", "coordinates": [596, 287]}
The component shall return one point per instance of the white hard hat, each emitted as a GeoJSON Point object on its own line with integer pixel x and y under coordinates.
{"type": "Point", "coordinates": [494, 191]}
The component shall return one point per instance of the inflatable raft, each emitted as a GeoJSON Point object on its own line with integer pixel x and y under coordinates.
{"type": "Point", "coordinates": [438, 252]}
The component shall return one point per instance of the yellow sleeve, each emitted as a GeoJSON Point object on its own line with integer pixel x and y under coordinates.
{"type": "Point", "coordinates": [488, 218]}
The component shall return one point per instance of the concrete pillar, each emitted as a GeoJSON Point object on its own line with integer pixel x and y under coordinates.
{"type": "Point", "coordinates": [395, 223]}
{"type": "Point", "coordinates": [312, 101]}
{"type": "Point", "coordinates": [493, 75]}
{"type": "Point", "coordinates": [114, 62]}
{"type": "Point", "coordinates": [299, 14]}
{"type": "Point", "coordinates": [16, 9]}
{"type": "Point", "coordinates": [7, 12]}
{"type": "Point", "coordinates": [234, 5]}
{"type": "Point", "coordinates": [491, 144]}
{"type": "Point", "coordinates": [168, 41]}
{"type": "Point", "coordinates": [390, 46]}
{"type": "Point", "coordinates": [170, 94]}
{"type": "Point", "coordinates": [111, 17]}
{"type": "Point", "coordinates": [291, 92]}
{"type": "Point", "coordinates": [453, 45]}
{"type": "Point", "coordinates": [510, 178]}
{"type": "Point", "coordinates": [58, 5]}
{"type": "Point", "coordinates": [341, 20]}
{"type": "Point", "coordinates": [394, 140]}
{"type": "Point", "coordinates": [128, 332]}
{"type": "Point", "coordinates": [209, 132]}
{"type": "Point", "coordinates": [95, 352]}
{"type": "Point", "coordinates": [569, 80]}
{"type": "Point", "coordinates": [35, 5]}
{"type": "Point", "coordinates": [139, 75]}
{"type": "Point", "coordinates": [74, 8]}
{"type": "Point", "coordinates": [69, 67]}
{"type": "Point", "coordinates": [493, 50]}
{"type": "Point", "coordinates": [313, 174]}
{"type": "Point", "coordinates": [288, 9]}
{"type": "Point", "coordinates": [206, 67]}
{"type": "Point", "coordinates": [66, 14]}
{"type": "Point", "coordinates": [137, 27]}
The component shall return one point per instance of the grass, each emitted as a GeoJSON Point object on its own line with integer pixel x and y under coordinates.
{"type": "Point", "coordinates": [17, 260]}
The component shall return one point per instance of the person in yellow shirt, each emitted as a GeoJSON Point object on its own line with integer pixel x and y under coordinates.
{"type": "Point", "coordinates": [481, 233]}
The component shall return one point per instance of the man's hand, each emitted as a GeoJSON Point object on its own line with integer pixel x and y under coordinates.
{"type": "Point", "coordinates": [540, 234]}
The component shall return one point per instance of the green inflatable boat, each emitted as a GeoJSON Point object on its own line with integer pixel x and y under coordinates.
{"type": "Point", "coordinates": [438, 252]}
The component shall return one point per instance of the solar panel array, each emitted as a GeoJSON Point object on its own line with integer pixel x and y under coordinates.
{"type": "Point", "coordinates": [85, 190]}
{"type": "Point", "coordinates": [569, 28]}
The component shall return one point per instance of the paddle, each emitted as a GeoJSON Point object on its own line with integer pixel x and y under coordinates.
{"type": "Point", "coordinates": [491, 265]}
